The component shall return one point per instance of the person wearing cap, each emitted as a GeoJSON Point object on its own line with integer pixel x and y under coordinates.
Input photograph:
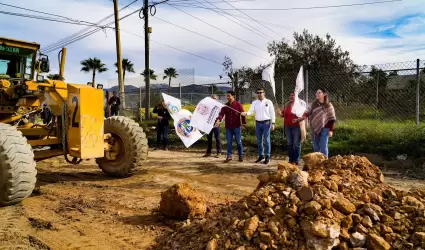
{"type": "Point", "coordinates": [216, 132]}
{"type": "Point", "coordinates": [46, 114]}
{"type": "Point", "coordinates": [265, 120]}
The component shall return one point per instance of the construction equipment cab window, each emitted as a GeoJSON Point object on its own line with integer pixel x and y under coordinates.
{"type": "Point", "coordinates": [15, 62]}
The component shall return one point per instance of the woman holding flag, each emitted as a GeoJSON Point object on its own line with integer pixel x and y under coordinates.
{"type": "Point", "coordinates": [321, 114]}
{"type": "Point", "coordinates": [293, 130]}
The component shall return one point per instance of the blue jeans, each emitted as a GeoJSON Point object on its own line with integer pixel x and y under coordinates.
{"type": "Point", "coordinates": [236, 132]}
{"type": "Point", "coordinates": [320, 141]}
{"type": "Point", "coordinates": [162, 131]}
{"type": "Point", "coordinates": [263, 132]}
{"type": "Point", "coordinates": [293, 136]}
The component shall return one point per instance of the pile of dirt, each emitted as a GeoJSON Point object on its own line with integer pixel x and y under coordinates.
{"type": "Point", "coordinates": [340, 203]}
{"type": "Point", "coordinates": [181, 202]}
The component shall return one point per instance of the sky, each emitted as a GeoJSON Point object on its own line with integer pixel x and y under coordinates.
{"type": "Point", "coordinates": [373, 34]}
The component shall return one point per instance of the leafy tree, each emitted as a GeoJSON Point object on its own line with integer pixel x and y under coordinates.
{"type": "Point", "coordinates": [55, 77]}
{"type": "Point", "coordinates": [93, 65]}
{"type": "Point", "coordinates": [127, 66]}
{"type": "Point", "coordinates": [327, 63]}
{"type": "Point", "coordinates": [152, 75]}
{"type": "Point", "coordinates": [170, 73]}
{"type": "Point", "coordinates": [239, 78]}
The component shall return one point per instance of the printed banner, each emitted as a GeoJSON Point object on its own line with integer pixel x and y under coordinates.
{"type": "Point", "coordinates": [268, 75]}
{"type": "Point", "coordinates": [205, 114]}
{"type": "Point", "coordinates": [173, 104]}
{"type": "Point", "coordinates": [184, 130]}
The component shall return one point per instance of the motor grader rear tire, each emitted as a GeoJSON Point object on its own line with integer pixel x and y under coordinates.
{"type": "Point", "coordinates": [132, 145]}
{"type": "Point", "coordinates": [17, 166]}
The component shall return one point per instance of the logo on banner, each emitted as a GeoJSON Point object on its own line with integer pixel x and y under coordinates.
{"type": "Point", "coordinates": [202, 109]}
{"type": "Point", "coordinates": [183, 127]}
{"type": "Point", "coordinates": [173, 108]}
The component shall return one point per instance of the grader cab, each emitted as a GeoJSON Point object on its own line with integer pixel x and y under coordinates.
{"type": "Point", "coordinates": [77, 130]}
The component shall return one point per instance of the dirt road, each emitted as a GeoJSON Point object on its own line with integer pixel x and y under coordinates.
{"type": "Point", "coordinates": [78, 207]}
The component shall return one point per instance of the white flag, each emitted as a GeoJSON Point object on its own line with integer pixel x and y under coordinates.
{"type": "Point", "coordinates": [205, 114]}
{"type": "Point", "coordinates": [268, 75]}
{"type": "Point", "coordinates": [299, 84]}
{"type": "Point", "coordinates": [187, 133]}
{"type": "Point", "coordinates": [173, 104]}
{"type": "Point", "coordinates": [299, 106]}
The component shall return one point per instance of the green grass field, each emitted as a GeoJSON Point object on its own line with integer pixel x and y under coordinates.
{"type": "Point", "coordinates": [350, 136]}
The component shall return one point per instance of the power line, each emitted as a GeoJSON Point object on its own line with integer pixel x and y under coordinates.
{"type": "Point", "coordinates": [213, 39]}
{"type": "Point", "coordinates": [87, 34]}
{"type": "Point", "coordinates": [251, 18]}
{"type": "Point", "coordinates": [47, 18]}
{"type": "Point", "coordinates": [252, 29]}
{"type": "Point", "coordinates": [300, 8]}
{"type": "Point", "coordinates": [188, 1]}
{"type": "Point", "coordinates": [240, 39]}
{"type": "Point", "coordinates": [61, 41]}
{"type": "Point", "coordinates": [169, 46]}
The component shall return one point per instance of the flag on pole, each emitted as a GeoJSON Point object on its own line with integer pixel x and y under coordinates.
{"type": "Point", "coordinates": [299, 83]}
{"type": "Point", "coordinates": [299, 105]}
{"type": "Point", "coordinates": [268, 75]}
{"type": "Point", "coordinates": [173, 104]}
{"type": "Point", "coordinates": [205, 114]}
{"type": "Point", "coordinates": [187, 133]}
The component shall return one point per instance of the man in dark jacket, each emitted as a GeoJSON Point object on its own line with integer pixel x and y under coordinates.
{"type": "Point", "coordinates": [46, 114]}
{"type": "Point", "coordinates": [162, 125]}
{"type": "Point", "coordinates": [115, 103]}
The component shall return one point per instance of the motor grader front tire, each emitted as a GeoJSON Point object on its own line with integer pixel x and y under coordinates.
{"type": "Point", "coordinates": [17, 166]}
{"type": "Point", "coordinates": [129, 147]}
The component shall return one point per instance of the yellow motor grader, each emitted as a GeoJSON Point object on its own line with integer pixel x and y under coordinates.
{"type": "Point", "coordinates": [77, 128]}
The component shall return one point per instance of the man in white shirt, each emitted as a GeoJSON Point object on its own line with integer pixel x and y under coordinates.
{"type": "Point", "coordinates": [265, 119]}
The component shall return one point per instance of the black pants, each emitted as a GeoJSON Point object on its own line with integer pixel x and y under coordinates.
{"type": "Point", "coordinates": [114, 112]}
{"type": "Point", "coordinates": [216, 133]}
{"type": "Point", "coordinates": [162, 131]}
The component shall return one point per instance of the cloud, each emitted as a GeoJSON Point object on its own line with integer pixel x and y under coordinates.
{"type": "Point", "coordinates": [372, 34]}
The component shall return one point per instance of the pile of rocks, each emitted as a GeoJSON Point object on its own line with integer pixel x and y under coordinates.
{"type": "Point", "coordinates": [340, 203]}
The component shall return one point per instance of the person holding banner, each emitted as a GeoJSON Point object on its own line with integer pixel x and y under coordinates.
{"type": "Point", "coordinates": [265, 121]}
{"type": "Point", "coordinates": [293, 130]}
{"type": "Point", "coordinates": [162, 125]}
{"type": "Point", "coordinates": [216, 132]}
{"type": "Point", "coordinates": [321, 114]}
{"type": "Point", "coordinates": [233, 123]}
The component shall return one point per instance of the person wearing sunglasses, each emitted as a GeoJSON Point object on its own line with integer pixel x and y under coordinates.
{"type": "Point", "coordinates": [265, 122]}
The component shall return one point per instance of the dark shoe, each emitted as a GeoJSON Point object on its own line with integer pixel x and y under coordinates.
{"type": "Point", "coordinates": [240, 158]}
{"type": "Point", "coordinates": [259, 159]}
{"type": "Point", "coordinates": [228, 160]}
{"type": "Point", "coordinates": [267, 161]}
{"type": "Point", "coordinates": [207, 155]}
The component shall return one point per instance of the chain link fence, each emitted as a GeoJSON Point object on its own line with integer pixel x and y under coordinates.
{"type": "Point", "coordinates": [389, 92]}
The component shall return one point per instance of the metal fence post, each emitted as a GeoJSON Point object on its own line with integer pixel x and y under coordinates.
{"type": "Point", "coordinates": [283, 102]}
{"type": "Point", "coordinates": [417, 90]}
{"type": "Point", "coordinates": [377, 97]}
{"type": "Point", "coordinates": [306, 86]}
{"type": "Point", "coordinates": [191, 97]}
{"type": "Point", "coordinates": [180, 91]}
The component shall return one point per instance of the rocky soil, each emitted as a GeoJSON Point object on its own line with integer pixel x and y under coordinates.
{"type": "Point", "coordinates": [340, 203]}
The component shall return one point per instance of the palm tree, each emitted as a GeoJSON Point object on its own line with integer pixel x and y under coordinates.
{"type": "Point", "coordinates": [93, 65]}
{"type": "Point", "coordinates": [170, 73]}
{"type": "Point", "coordinates": [54, 77]}
{"type": "Point", "coordinates": [127, 66]}
{"type": "Point", "coordinates": [152, 75]}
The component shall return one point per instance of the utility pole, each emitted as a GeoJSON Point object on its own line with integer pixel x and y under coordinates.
{"type": "Point", "coordinates": [119, 56]}
{"type": "Point", "coordinates": [147, 75]}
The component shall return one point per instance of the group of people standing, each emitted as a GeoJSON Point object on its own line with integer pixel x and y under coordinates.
{"type": "Point", "coordinates": [320, 113]}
